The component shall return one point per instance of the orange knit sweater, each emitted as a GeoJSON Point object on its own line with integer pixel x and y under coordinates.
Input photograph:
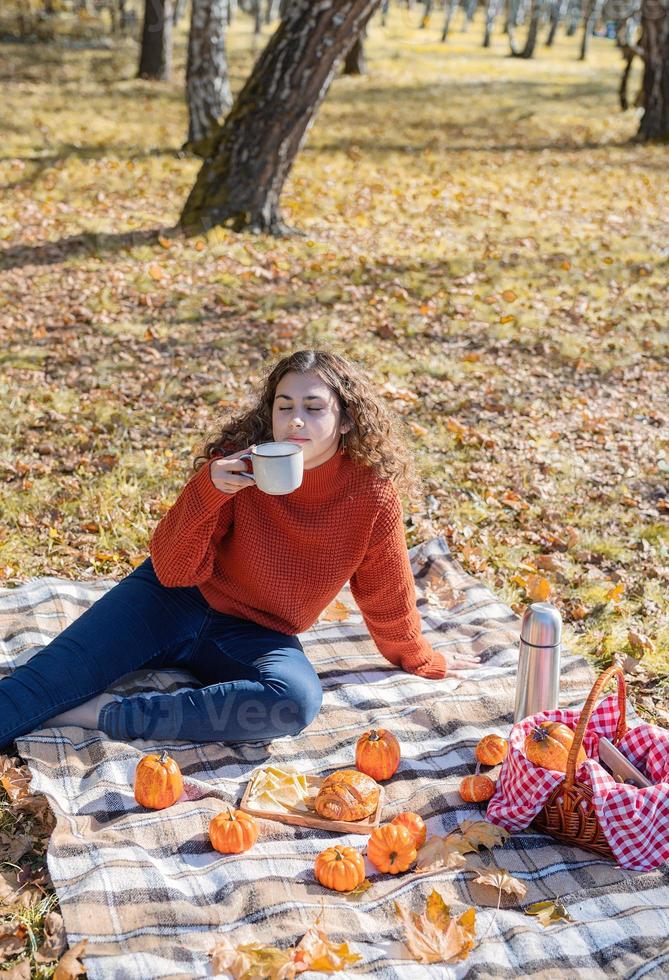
{"type": "Point", "coordinates": [280, 560]}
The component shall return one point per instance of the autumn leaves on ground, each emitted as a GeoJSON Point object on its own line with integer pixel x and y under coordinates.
{"type": "Point", "coordinates": [479, 231]}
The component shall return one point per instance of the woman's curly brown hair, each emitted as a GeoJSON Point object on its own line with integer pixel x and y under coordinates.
{"type": "Point", "coordinates": [375, 438]}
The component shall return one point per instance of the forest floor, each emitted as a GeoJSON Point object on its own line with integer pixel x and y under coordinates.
{"type": "Point", "coordinates": [480, 232]}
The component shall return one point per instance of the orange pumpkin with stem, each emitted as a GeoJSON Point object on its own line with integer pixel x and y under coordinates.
{"type": "Point", "coordinates": [491, 750]}
{"type": "Point", "coordinates": [232, 831]}
{"type": "Point", "coordinates": [391, 848]}
{"type": "Point", "coordinates": [158, 781]}
{"type": "Point", "coordinates": [476, 789]}
{"type": "Point", "coordinates": [377, 754]}
{"type": "Point", "coordinates": [340, 868]}
{"type": "Point", "coordinates": [414, 824]}
{"type": "Point", "coordinates": [548, 745]}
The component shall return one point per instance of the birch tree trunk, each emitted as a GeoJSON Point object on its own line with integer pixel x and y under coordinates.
{"type": "Point", "coordinates": [156, 56]}
{"type": "Point", "coordinates": [207, 82]}
{"type": "Point", "coordinates": [240, 182]}
{"type": "Point", "coordinates": [655, 46]}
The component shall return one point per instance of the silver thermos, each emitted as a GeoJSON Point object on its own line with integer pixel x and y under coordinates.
{"type": "Point", "coordinates": [538, 682]}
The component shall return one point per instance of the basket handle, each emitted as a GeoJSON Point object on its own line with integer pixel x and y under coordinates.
{"type": "Point", "coordinates": [588, 708]}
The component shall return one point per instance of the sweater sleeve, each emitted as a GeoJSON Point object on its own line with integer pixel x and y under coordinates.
{"type": "Point", "coordinates": [383, 587]}
{"type": "Point", "coordinates": [183, 544]}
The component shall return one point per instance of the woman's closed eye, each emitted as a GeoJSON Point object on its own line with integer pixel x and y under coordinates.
{"type": "Point", "coordinates": [309, 410]}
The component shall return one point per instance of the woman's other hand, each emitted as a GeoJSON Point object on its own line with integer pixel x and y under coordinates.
{"type": "Point", "coordinates": [226, 472]}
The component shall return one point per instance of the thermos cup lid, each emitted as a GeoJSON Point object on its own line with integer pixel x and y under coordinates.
{"type": "Point", "coordinates": [541, 625]}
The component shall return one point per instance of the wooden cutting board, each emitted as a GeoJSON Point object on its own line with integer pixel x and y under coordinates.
{"type": "Point", "coordinates": [308, 818]}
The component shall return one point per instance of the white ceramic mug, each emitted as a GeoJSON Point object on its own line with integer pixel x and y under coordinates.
{"type": "Point", "coordinates": [277, 466]}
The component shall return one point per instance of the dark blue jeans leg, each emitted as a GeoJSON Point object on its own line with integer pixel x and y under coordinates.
{"type": "Point", "coordinates": [138, 623]}
{"type": "Point", "coordinates": [259, 685]}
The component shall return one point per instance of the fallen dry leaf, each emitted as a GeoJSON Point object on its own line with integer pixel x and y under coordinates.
{"type": "Point", "coordinates": [21, 971]}
{"type": "Point", "coordinates": [55, 939]}
{"type": "Point", "coordinates": [615, 594]}
{"type": "Point", "coordinates": [538, 588]}
{"type": "Point", "coordinates": [548, 913]}
{"type": "Point", "coordinates": [440, 853]}
{"type": "Point", "coordinates": [443, 596]}
{"type": "Point", "coordinates": [482, 833]}
{"type": "Point", "coordinates": [503, 881]}
{"type": "Point", "coordinates": [434, 936]}
{"type": "Point", "coordinates": [69, 966]}
{"type": "Point", "coordinates": [252, 960]}
{"type": "Point", "coordinates": [315, 951]}
{"type": "Point", "coordinates": [12, 939]}
{"type": "Point", "coordinates": [336, 612]}
{"type": "Point", "coordinates": [639, 643]}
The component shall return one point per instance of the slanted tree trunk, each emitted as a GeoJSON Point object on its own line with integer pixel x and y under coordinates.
{"type": "Point", "coordinates": [655, 47]}
{"type": "Point", "coordinates": [354, 62]}
{"type": "Point", "coordinates": [492, 8]}
{"type": "Point", "coordinates": [240, 182]}
{"type": "Point", "coordinates": [557, 15]}
{"type": "Point", "coordinates": [156, 56]}
{"type": "Point", "coordinates": [450, 7]}
{"type": "Point", "coordinates": [207, 82]}
{"type": "Point", "coordinates": [592, 15]}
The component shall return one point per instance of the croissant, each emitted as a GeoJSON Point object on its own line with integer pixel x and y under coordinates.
{"type": "Point", "coordinates": [347, 795]}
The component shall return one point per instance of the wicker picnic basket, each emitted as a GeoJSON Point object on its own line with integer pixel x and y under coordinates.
{"type": "Point", "coordinates": [569, 814]}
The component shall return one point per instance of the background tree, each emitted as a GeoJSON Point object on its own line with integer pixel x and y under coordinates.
{"type": "Point", "coordinates": [156, 55]}
{"type": "Point", "coordinates": [655, 52]}
{"type": "Point", "coordinates": [207, 82]}
{"type": "Point", "coordinates": [240, 182]}
{"type": "Point", "coordinates": [354, 62]}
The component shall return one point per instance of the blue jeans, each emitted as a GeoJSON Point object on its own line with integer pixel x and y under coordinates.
{"type": "Point", "coordinates": [258, 683]}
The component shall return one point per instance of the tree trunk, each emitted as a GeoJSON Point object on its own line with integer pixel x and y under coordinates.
{"type": "Point", "coordinates": [450, 7]}
{"type": "Point", "coordinates": [156, 57]}
{"type": "Point", "coordinates": [207, 83]}
{"type": "Point", "coordinates": [491, 11]}
{"type": "Point", "coordinates": [240, 182]}
{"type": "Point", "coordinates": [655, 46]}
{"type": "Point", "coordinates": [354, 62]}
{"type": "Point", "coordinates": [527, 50]}
{"type": "Point", "coordinates": [591, 20]}
{"type": "Point", "coordinates": [557, 14]}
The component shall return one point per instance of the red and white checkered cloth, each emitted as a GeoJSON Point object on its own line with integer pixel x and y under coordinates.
{"type": "Point", "coordinates": [634, 821]}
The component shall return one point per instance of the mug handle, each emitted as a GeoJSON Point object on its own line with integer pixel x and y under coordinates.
{"type": "Point", "coordinates": [244, 473]}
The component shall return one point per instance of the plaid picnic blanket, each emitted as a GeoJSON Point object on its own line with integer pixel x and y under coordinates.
{"type": "Point", "coordinates": [152, 897]}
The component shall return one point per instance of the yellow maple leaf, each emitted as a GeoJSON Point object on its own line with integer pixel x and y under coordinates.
{"type": "Point", "coordinates": [538, 588]}
{"type": "Point", "coordinates": [336, 612]}
{"type": "Point", "coordinates": [434, 936]}
{"type": "Point", "coordinates": [615, 594]}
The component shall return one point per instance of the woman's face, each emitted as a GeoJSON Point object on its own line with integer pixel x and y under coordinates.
{"type": "Point", "coordinates": [307, 411]}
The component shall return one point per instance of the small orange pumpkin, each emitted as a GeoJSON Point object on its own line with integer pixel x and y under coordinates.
{"type": "Point", "coordinates": [391, 848]}
{"type": "Point", "coordinates": [548, 746]}
{"type": "Point", "coordinates": [340, 868]}
{"type": "Point", "coordinates": [476, 789]}
{"type": "Point", "coordinates": [232, 831]}
{"type": "Point", "coordinates": [414, 824]}
{"type": "Point", "coordinates": [491, 750]}
{"type": "Point", "coordinates": [377, 753]}
{"type": "Point", "coordinates": [158, 781]}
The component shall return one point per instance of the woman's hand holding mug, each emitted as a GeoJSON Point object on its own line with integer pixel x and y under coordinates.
{"type": "Point", "coordinates": [226, 473]}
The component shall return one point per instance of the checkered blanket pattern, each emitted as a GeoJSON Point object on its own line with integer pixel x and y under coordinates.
{"type": "Point", "coordinates": [151, 896]}
{"type": "Point", "coordinates": [634, 821]}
